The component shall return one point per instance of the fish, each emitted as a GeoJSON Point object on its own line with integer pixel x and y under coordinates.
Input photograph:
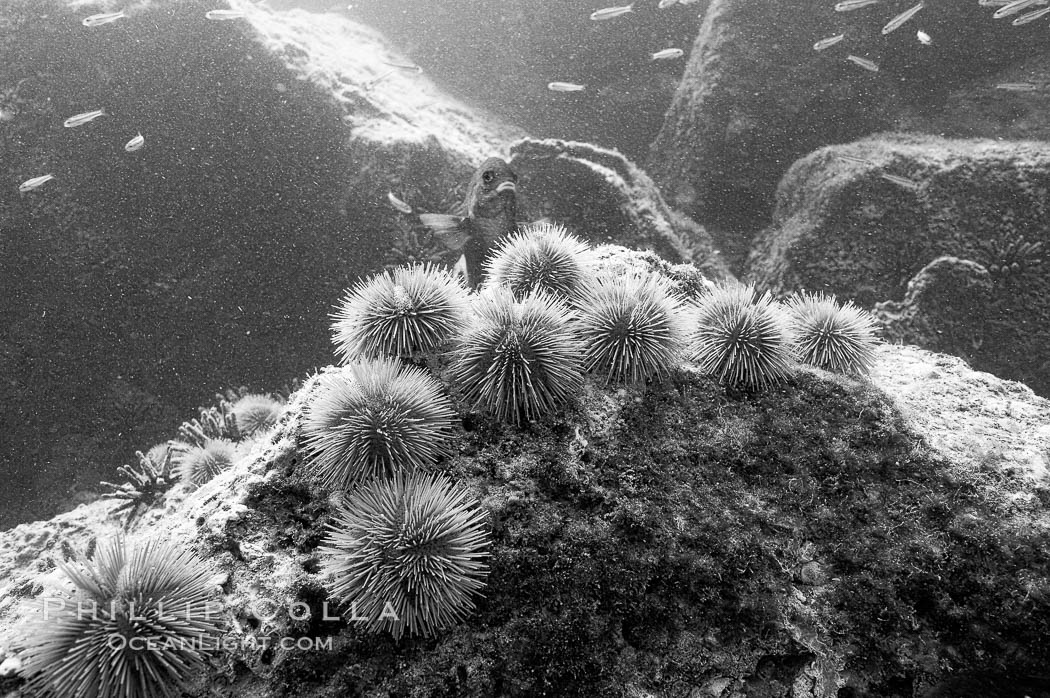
{"type": "Point", "coordinates": [900, 181]}
{"type": "Point", "coordinates": [35, 182]}
{"type": "Point", "coordinates": [1030, 17]}
{"type": "Point", "coordinates": [1017, 86]}
{"type": "Point", "coordinates": [1013, 8]}
{"type": "Point", "coordinates": [565, 87]}
{"type": "Point", "coordinates": [864, 63]}
{"type": "Point", "coordinates": [489, 212]}
{"type": "Point", "coordinates": [854, 159]}
{"type": "Point", "coordinates": [668, 54]}
{"type": "Point", "coordinates": [902, 18]}
{"type": "Point", "coordinates": [135, 143]}
{"type": "Point", "coordinates": [664, 4]}
{"type": "Point", "coordinates": [610, 12]}
{"type": "Point", "coordinates": [398, 203]}
{"type": "Point", "coordinates": [923, 37]}
{"type": "Point", "coordinates": [828, 42]}
{"type": "Point", "coordinates": [375, 81]}
{"type": "Point", "coordinates": [405, 66]}
{"type": "Point", "coordinates": [103, 18]}
{"type": "Point", "coordinates": [220, 15]}
{"type": "Point", "coordinates": [993, 3]}
{"type": "Point", "coordinates": [81, 119]}
{"type": "Point", "coordinates": [847, 5]}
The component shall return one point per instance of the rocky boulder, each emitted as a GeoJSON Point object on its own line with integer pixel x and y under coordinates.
{"type": "Point", "coordinates": [604, 197]}
{"type": "Point", "coordinates": [664, 541]}
{"type": "Point", "coordinates": [862, 220]}
{"type": "Point", "coordinates": [756, 96]}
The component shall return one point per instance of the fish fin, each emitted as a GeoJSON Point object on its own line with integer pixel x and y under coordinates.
{"type": "Point", "coordinates": [448, 227]}
{"type": "Point", "coordinates": [461, 270]}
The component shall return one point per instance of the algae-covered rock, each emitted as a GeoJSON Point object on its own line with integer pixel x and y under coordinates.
{"type": "Point", "coordinates": [662, 541]}
{"type": "Point", "coordinates": [604, 197]}
{"type": "Point", "coordinates": [847, 223]}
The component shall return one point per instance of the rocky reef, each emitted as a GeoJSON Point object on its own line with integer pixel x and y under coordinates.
{"type": "Point", "coordinates": [868, 220]}
{"type": "Point", "coordinates": [828, 534]}
{"type": "Point", "coordinates": [756, 95]}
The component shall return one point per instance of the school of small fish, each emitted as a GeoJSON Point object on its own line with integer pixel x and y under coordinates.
{"type": "Point", "coordinates": [1006, 8]}
{"type": "Point", "coordinates": [139, 141]}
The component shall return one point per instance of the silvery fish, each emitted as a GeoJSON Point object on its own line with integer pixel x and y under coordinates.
{"type": "Point", "coordinates": [135, 143]}
{"type": "Point", "coordinates": [1017, 86]}
{"type": "Point", "coordinates": [398, 203]}
{"type": "Point", "coordinates": [923, 38]}
{"type": "Point", "coordinates": [489, 212]}
{"type": "Point", "coordinates": [901, 18]}
{"type": "Point", "coordinates": [564, 87]}
{"type": "Point", "coordinates": [863, 63]}
{"type": "Point", "coordinates": [220, 15]}
{"type": "Point", "coordinates": [1030, 17]}
{"type": "Point", "coordinates": [375, 81]}
{"type": "Point", "coordinates": [828, 42]}
{"type": "Point", "coordinates": [664, 4]}
{"type": "Point", "coordinates": [610, 12]}
{"type": "Point", "coordinates": [81, 119]}
{"type": "Point", "coordinates": [848, 5]}
{"type": "Point", "coordinates": [900, 181]}
{"type": "Point", "coordinates": [854, 159]}
{"type": "Point", "coordinates": [31, 184]}
{"type": "Point", "coordinates": [668, 54]}
{"type": "Point", "coordinates": [1014, 7]}
{"type": "Point", "coordinates": [103, 18]}
{"type": "Point", "coordinates": [405, 66]}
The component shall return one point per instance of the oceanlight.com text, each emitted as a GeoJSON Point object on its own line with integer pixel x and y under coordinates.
{"type": "Point", "coordinates": [118, 642]}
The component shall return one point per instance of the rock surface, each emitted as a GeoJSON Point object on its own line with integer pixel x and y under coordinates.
{"type": "Point", "coordinates": [841, 227]}
{"type": "Point", "coordinates": [756, 96]}
{"type": "Point", "coordinates": [664, 542]}
{"type": "Point", "coordinates": [604, 197]}
{"type": "Point", "coordinates": [138, 283]}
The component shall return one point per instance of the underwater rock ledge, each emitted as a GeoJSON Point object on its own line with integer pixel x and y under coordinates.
{"type": "Point", "coordinates": [864, 220]}
{"type": "Point", "coordinates": [826, 534]}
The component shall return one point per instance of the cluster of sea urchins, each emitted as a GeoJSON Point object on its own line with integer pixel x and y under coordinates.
{"type": "Point", "coordinates": [518, 350]}
{"type": "Point", "coordinates": [140, 625]}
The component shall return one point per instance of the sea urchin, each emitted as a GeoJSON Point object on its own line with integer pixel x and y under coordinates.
{"type": "Point", "coordinates": [412, 310]}
{"type": "Point", "coordinates": [140, 627]}
{"type": "Point", "coordinates": [255, 412]}
{"type": "Point", "coordinates": [631, 327]}
{"type": "Point", "coordinates": [374, 418]}
{"type": "Point", "coordinates": [832, 337]}
{"type": "Point", "coordinates": [413, 545]}
{"type": "Point", "coordinates": [542, 257]}
{"type": "Point", "coordinates": [195, 465]}
{"type": "Point", "coordinates": [519, 359]}
{"type": "Point", "coordinates": [741, 338]}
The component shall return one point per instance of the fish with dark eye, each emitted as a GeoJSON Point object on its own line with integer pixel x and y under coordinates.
{"type": "Point", "coordinates": [489, 212]}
